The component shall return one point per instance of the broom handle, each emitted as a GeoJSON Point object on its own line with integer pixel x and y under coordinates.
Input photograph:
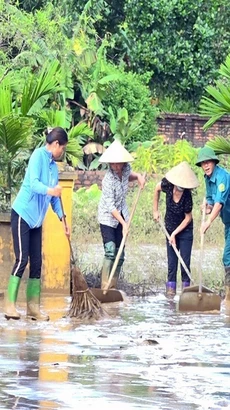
{"type": "Point", "coordinates": [64, 219]}
{"type": "Point", "coordinates": [202, 245]}
{"type": "Point", "coordinates": [121, 247]}
{"type": "Point", "coordinates": [176, 250]}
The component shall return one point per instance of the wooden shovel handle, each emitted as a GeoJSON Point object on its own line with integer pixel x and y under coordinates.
{"type": "Point", "coordinates": [176, 250]}
{"type": "Point", "coordinates": [70, 244]}
{"type": "Point", "coordinates": [121, 247]}
{"type": "Point", "coordinates": [202, 245]}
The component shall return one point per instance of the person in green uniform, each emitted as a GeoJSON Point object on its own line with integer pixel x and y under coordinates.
{"type": "Point", "coordinates": [217, 181]}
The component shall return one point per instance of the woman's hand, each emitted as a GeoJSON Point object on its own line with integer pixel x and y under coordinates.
{"type": "Point", "coordinates": [124, 228]}
{"type": "Point", "coordinates": [66, 228]}
{"type": "Point", "coordinates": [172, 239]}
{"type": "Point", "coordinates": [141, 180]}
{"type": "Point", "coordinates": [56, 191]}
{"type": "Point", "coordinates": [156, 216]}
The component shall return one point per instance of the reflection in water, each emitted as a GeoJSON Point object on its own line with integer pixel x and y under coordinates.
{"type": "Point", "coordinates": [61, 365]}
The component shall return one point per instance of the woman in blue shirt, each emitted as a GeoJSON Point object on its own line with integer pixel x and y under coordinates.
{"type": "Point", "coordinates": [39, 189]}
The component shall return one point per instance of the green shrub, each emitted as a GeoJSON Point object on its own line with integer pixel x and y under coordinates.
{"type": "Point", "coordinates": [132, 92]}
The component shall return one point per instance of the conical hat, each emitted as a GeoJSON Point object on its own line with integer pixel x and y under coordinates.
{"type": "Point", "coordinates": [182, 175]}
{"type": "Point", "coordinates": [116, 153]}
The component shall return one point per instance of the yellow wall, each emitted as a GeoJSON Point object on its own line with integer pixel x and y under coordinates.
{"type": "Point", "coordinates": [55, 246]}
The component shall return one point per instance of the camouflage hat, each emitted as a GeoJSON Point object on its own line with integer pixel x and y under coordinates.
{"type": "Point", "coordinates": [206, 154]}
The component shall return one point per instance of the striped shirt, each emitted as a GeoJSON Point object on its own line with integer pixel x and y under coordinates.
{"type": "Point", "coordinates": [114, 191]}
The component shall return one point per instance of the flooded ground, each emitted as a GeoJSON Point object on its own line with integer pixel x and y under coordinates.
{"type": "Point", "coordinates": [145, 261]}
{"type": "Point", "coordinates": [146, 355]}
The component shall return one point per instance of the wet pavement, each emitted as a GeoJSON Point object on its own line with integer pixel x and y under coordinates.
{"type": "Point", "coordinates": [145, 355]}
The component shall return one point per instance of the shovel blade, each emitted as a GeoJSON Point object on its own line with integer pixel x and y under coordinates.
{"type": "Point", "coordinates": [111, 296]}
{"type": "Point", "coordinates": [199, 302]}
{"type": "Point", "coordinates": [195, 288]}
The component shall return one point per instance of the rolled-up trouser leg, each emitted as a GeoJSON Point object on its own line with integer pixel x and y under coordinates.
{"type": "Point", "coordinates": [110, 253]}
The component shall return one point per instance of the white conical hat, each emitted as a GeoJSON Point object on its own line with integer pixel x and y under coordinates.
{"type": "Point", "coordinates": [116, 153]}
{"type": "Point", "coordinates": [182, 175]}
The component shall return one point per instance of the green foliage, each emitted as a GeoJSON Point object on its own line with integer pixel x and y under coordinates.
{"type": "Point", "coordinates": [37, 90]}
{"type": "Point", "coordinates": [220, 145]}
{"type": "Point", "coordinates": [30, 39]}
{"type": "Point", "coordinates": [181, 42]}
{"type": "Point", "coordinates": [76, 135]}
{"type": "Point", "coordinates": [85, 205]}
{"type": "Point", "coordinates": [160, 156]}
{"type": "Point", "coordinates": [95, 76]}
{"type": "Point", "coordinates": [122, 127]}
{"type": "Point", "coordinates": [132, 93]}
{"type": "Point", "coordinates": [173, 105]}
{"type": "Point", "coordinates": [218, 104]}
{"type": "Point", "coordinates": [17, 120]}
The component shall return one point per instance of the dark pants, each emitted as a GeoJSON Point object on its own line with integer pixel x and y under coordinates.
{"type": "Point", "coordinates": [184, 242]}
{"type": "Point", "coordinates": [27, 245]}
{"type": "Point", "coordinates": [110, 234]}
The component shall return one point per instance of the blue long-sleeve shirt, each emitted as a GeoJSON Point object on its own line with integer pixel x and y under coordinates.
{"type": "Point", "coordinates": [218, 191]}
{"type": "Point", "coordinates": [32, 200]}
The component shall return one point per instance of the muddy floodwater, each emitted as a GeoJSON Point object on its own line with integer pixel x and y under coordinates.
{"type": "Point", "coordinates": [145, 355]}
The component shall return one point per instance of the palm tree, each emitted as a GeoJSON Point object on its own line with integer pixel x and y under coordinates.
{"type": "Point", "coordinates": [217, 105]}
{"type": "Point", "coordinates": [17, 114]}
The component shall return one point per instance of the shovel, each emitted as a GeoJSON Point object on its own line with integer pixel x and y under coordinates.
{"type": "Point", "coordinates": [199, 298]}
{"type": "Point", "coordinates": [176, 250]}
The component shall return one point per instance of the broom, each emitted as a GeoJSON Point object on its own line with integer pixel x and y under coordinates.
{"type": "Point", "coordinates": [84, 305]}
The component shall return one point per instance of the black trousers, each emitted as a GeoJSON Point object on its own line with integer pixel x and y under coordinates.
{"type": "Point", "coordinates": [27, 246]}
{"type": "Point", "coordinates": [110, 234]}
{"type": "Point", "coordinates": [184, 241]}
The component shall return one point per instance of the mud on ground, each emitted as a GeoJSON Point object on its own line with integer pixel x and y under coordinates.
{"type": "Point", "coordinates": [140, 289]}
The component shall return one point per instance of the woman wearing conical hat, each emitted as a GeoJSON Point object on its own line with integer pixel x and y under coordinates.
{"type": "Point", "coordinates": [177, 185]}
{"type": "Point", "coordinates": [113, 211]}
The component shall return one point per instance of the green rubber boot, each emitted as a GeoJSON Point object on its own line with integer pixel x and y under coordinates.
{"type": "Point", "coordinates": [11, 298]}
{"type": "Point", "coordinates": [33, 293]}
{"type": "Point", "coordinates": [227, 285]}
{"type": "Point", "coordinates": [110, 252]}
{"type": "Point", "coordinates": [118, 269]}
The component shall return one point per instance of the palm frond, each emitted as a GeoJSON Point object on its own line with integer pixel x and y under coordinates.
{"type": "Point", "coordinates": [38, 89]}
{"type": "Point", "coordinates": [14, 133]}
{"type": "Point", "coordinates": [217, 103]}
{"type": "Point", "coordinates": [220, 145]}
{"type": "Point", "coordinates": [80, 129]}
{"type": "Point", "coordinates": [225, 68]}
{"type": "Point", "coordinates": [56, 118]}
{"type": "Point", "coordinates": [5, 98]}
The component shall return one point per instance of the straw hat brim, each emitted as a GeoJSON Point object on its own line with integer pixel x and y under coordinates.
{"type": "Point", "coordinates": [116, 153]}
{"type": "Point", "coordinates": [182, 175]}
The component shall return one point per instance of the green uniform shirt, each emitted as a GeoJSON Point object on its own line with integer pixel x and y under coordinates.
{"type": "Point", "coordinates": [218, 191]}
